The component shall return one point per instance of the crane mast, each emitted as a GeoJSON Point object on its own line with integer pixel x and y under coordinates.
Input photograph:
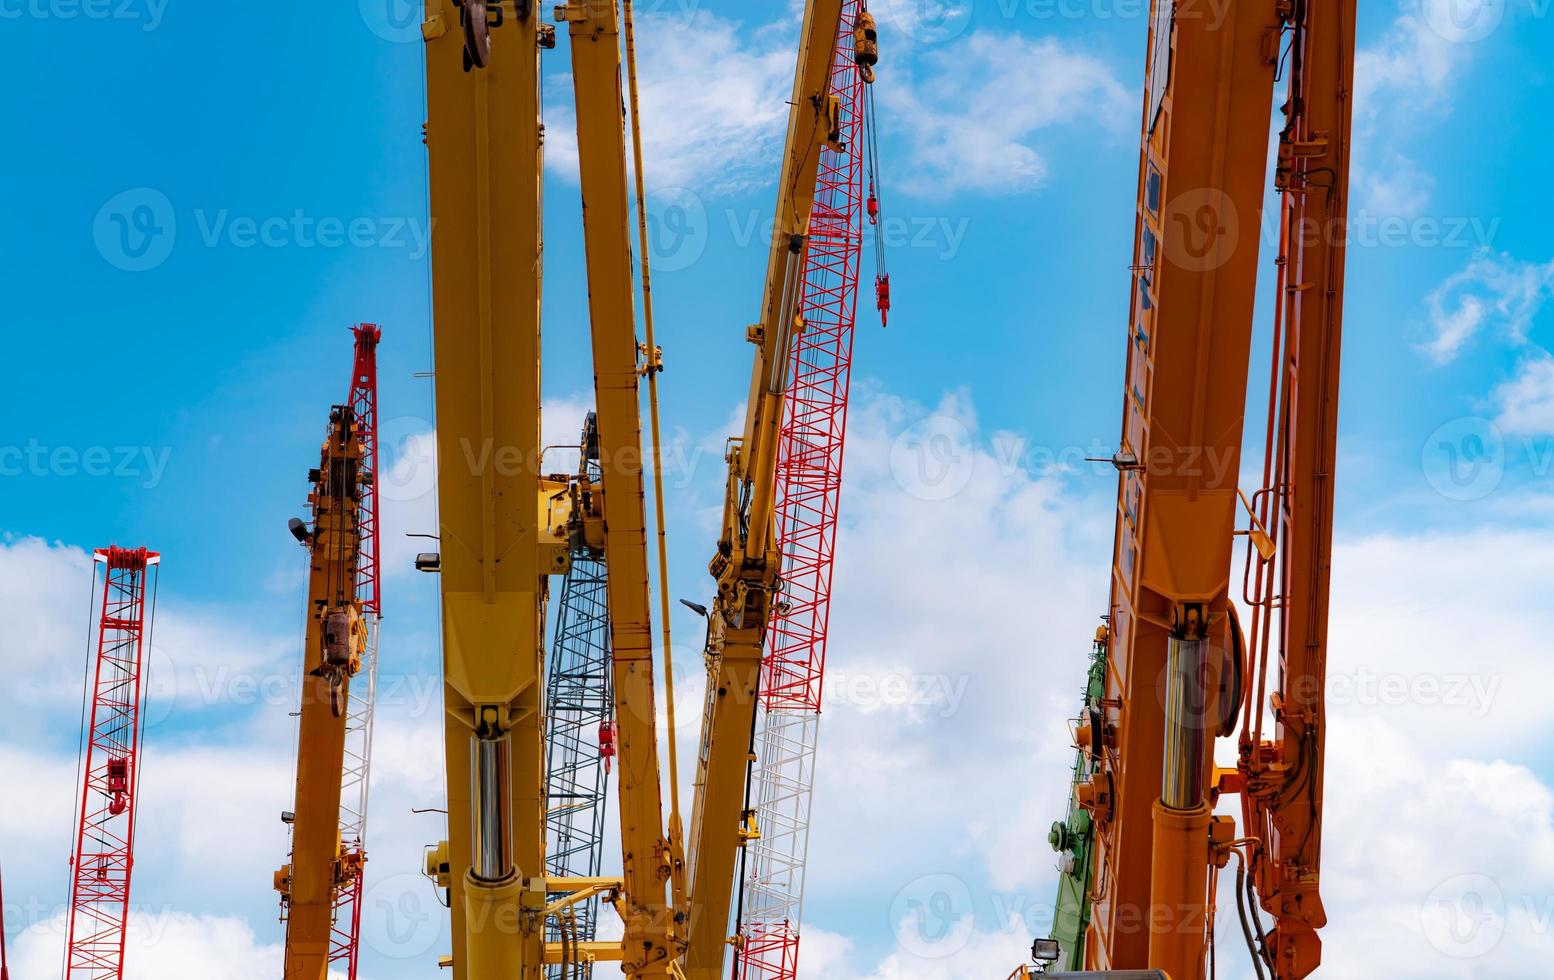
{"type": "Point", "coordinates": [747, 565]}
{"type": "Point", "coordinates": [322, 878]}
{"type": "Point", "coordinates": [1178, 668]}
{"type": "Point", "coordinates": [104, 856]}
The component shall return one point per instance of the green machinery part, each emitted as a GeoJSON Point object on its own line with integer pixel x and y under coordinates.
{"type": "Point", "coordinates": [1074, 837]}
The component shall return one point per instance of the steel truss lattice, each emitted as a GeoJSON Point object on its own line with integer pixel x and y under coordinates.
{"type": "Point", "coordinates": [578, 697]}
{"type": "Point", "coordinates": [809, 474]}
{"type": "Point", "coordinates": [105, 837]}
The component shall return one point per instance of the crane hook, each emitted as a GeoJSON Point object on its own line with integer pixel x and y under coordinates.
{"type": "Point", "coordinates": [475, 16]}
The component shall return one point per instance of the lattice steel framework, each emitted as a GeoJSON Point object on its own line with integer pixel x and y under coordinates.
{"type": "Point", "coordinates": [809, 473]}
{"type": "Point", "coordinates": [578, 699]}
{"type": "Point", "coordinates": [345, 935]}
{"type": "Point", "coordinates": [105, 837]}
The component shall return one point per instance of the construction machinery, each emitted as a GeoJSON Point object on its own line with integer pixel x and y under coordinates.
{"type": "Point", "coordinates": [321, 885]}
{"type": "Point", "coordinates": [809, 448]}
{"type": "Point", "coordinates": [1140, 875]}
{"type": "Point", "coordinates": [500, 536]}
{"type": "Point", "coordinates": [104, 856]}
{"type": "Point", "coordinates": [504, 529]}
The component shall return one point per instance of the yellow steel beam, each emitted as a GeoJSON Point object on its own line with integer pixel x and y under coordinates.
{"type": "Point", "coordinates": [651, 940]}
{"type": "Point", "coordinates": [483, 140]}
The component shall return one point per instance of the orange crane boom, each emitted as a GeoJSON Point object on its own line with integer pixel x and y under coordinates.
{"type": "Point", "coordinates": [324, 869]}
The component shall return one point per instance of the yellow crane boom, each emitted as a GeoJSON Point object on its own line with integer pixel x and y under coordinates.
{"type": "Point", "coordinates": [483, 140]}
{"type": "Point", "coordinates": [746, 565]}
{"type": "Point", "coordinates": [652, 932]}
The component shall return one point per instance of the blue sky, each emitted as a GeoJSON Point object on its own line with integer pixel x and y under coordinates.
{"type": "Point", "coordinates": [199, 200]}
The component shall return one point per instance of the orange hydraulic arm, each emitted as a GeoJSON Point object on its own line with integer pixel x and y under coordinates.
{"type": "Point", "coordinates": [1282, 802]}
{"type": "Point", "coordinates": [1178, 666]}
{"type": "Point", "coordinates": [336, 635]}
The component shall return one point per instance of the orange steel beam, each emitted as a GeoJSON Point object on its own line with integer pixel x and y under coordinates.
{"type": "Point", "coordinates": [1201, 184]}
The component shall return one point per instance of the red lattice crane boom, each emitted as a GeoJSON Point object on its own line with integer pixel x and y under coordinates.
{"type": "Point", "coordinates": [809, 478]}
{"type": "Point", "coordinates": [105, 835]}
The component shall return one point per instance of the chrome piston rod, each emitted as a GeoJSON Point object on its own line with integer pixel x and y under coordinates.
{"type": "Point", "coordinates": [491, 792]}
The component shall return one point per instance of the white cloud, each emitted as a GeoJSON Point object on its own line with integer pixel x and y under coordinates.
{"type": "Point", "coordinates": [1526, 401]}
{"type": "Point", "coordinates": [960, 569]}
{"type": "Point", "coordinates": [965, 131]}
{"type": "Point", "coordinates": [194, 649]}
{"type": "Point", "coordinates": [1406, 80]}
{"type": "Point", "coordinates": [163, 945]}
{"type": "Point", "coordinates": [1393, 187]}
{"type": "Point", "coordinates": [714, 102]}
{"type": "Point", "coordinates": [1412, 67]}
{"type": "Point", "coordinates": [1492, 292]}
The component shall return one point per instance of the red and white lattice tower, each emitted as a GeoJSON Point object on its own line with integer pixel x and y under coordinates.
{"type": "Point", "coordinates": [809, 475]}
{"type": "Point", "coordinates": [345, 938]}
{"type": "Point", "coordinates": [105, 836]}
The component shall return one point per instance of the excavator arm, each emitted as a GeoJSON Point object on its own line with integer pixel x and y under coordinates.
{"type": "Point", "coordinates": [1179, 671]}
{"type": "Point", "coordinates": [1282, 799]}
{"type": "Point", "coordinates": [746, 566]}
